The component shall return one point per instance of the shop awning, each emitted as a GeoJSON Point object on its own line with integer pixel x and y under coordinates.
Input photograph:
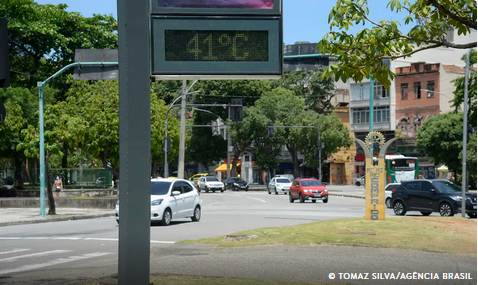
{"type": "Point", "coordinates": [223, 168]}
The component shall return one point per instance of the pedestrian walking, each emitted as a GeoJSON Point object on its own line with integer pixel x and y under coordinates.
{"type": "Point", "coordinates": [58, 186]}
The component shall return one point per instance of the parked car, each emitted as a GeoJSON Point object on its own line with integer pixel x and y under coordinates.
{"type": "Point", "coordinates": [228, 181]}
{"type": "Point", "coordinates": [388, 193]}
{"type": "Point", "coordinates": [171, 199]}
{"type": "Point", "coordinates": [431, 195]}
{"type": "Point", "coordinates": [288, 176]}
{"type": "Point", "coordinates": [196, 177]}
{"type": "Point", "coordinates": [210, 183]}
{"type": "Point", "coordinates": [279, 185]}
{"type": "Point", "coordinates": [308, 189]}
{"type": "Point", "coordinates": [359, 181]}
{"type": "Point", "coordinates": [237, 184]}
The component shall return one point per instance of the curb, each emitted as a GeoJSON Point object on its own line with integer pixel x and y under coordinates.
{"type": "Point", "coordinates": [346, 196]}
{"type": "Point", "coordinates": [56, 219]}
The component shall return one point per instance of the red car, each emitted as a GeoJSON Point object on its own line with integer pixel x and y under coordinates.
{"type": "Point", "coordinates": [308, 189]}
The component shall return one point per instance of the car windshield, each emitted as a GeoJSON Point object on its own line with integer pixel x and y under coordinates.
{"type": "Point", "coordinates": [212, 179]}
{"type": "Point", "coordinates": [447, 187]}
{"type": "Point", "coordinates": [237, 179]}
{"type": "Point", "coordinates": [310, 183]}
{"type": "Point", "coordinates": [283, 180]}
{"type": "Point", "coordinates": [160, 188]}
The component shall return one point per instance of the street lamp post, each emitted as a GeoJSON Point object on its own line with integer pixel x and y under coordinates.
{"type": "Point", "coordinates": [465, 130]}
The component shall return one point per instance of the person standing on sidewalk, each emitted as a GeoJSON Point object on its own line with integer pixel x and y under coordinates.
{"type": "Point", "coordinates": [58, 186]}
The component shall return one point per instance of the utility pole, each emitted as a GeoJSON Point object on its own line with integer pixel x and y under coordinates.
{"type": "Point", "coordinates": [465, 133]}
{"type": "Point", "coordinates": [320, 156]}
{"type": "Point", "coordinates": [228, 144]}
{"type": "Point", "coordinates": [182, 138]}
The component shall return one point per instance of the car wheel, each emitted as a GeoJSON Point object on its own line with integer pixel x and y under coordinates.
{"type": "Point", "coordinates": [275, 190]}
{"type": "Point", "coordinates": [166, 221]}
{"type": "Point", "coordinates": [425, 213]}
{"type": "Point", "coordinates": [290, 198]}
{"type": "Point", "coordinates": [222, 191]}
{"type": "Point", "coordinates": [388, 203]}
{"type": "Point", "coordinates": [325, 200]}
{"type": "Point", "coordinates": [446, 210]}
{"type": "Point", "coordinates": [357, 183]}
{"type": "Point", "coordinates": [207, 190]}
{"type": "Point", "coordinates": [313, 201]}
{"type": "Point", "coordinates": [197, 214]}
{"type": "Point", "coordinates": [236, 189]}
{"type": "Point", "coordinates": [471, 215]}
{"type": "Point", "coordinates": [301, 198]}
{"type": "Point", "coordinates": [268, 192]}
{"type": "Point", "coordinates": [213, 191]}
{"type": "Point", "coordinates": [399, 208]}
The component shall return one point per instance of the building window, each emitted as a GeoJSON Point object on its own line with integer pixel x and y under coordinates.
{"type": "Point", "coordinates": [431, 89]}
{"type": "Point", "coordinates": [380, 115]}
{"type": "Point", "coordinates": [416, 90]}
{"type": "Point", "coordinates": [379, 92]}
{"type": "Point", "coordinates": [246, 158]}
{"type": "Point", "coordinates": [360, 91]}
{"type": "Point", "coordinates": [404, 88]}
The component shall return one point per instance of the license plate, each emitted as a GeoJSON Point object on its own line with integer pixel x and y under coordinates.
{"type": "Point", "coordinates": [317, 195]}
{"type": "Point", "coordinates": [474, 207]}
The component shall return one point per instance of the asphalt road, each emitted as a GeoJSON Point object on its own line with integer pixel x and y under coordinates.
{"type": "Point", "coordinates": [72, 252]}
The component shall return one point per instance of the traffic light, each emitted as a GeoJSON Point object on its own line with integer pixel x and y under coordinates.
{"type": "Point", "coordinates": [4, 64]}
{"type": "Point", "coordinates": [236, 111]}
{"type": "Point", "coordinates": [270, 129]}
{"type": "Point", "coordinates": [471, 131]}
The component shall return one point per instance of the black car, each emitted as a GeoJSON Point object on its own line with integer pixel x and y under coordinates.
{"type": "Point", "coordinates": [431, 195]}
{"type": "Point", "coordinates": [237, 184]}
{"type": "Point", "coordinates": [228, 181]}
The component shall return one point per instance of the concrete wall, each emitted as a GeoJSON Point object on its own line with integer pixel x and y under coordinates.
{"type": "Point", "coordinates": [96, 203]}
{"type": "Point", "coordinates": [72, 193]}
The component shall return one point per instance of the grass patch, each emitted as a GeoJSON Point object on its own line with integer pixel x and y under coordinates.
{"type": "Point", "coordinates": [447, 235]}
{"type": "Point", "coordinates": [200, 280]}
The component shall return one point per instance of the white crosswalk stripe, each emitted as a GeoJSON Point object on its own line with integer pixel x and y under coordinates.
{"type": "Point", "coordinates": [14, 250]}
{"type": "Point", "coordinates": [14, 258]}
{"type": "Point", "coordinates": [53, 262]}
{"type": "Point", "coordinates": [40, 259]}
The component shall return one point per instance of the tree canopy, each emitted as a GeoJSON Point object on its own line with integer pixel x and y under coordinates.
{"type": "Point", "coordinates": [472, 87]}
{"type": "Point", "coordinates": [362, 53]}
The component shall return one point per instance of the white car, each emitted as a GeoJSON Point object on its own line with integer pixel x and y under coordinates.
{"type": "Point", "coordinates": [359, 181]}
{"type": "Point", "coordinates": [210, 183]}
{"type": "Point", "coordinates": [388, 193]}
{"type": "Point", "coordinates": [171, 199]}
{"type": "Point", "coordinates": [279, 185]}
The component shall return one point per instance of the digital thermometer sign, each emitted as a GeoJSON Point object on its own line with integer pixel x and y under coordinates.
{"type": "Point", "coordinates": [197, 45]}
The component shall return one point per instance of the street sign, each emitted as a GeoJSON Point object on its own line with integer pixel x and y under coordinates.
{"type": "Point", "coordinates": [211, 46]}
{"type": "Point", "coordinates": [96, 72]}
{"type": "Point", "coordinates": [3, 112]}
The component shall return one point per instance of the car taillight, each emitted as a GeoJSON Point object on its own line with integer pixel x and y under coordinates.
{"type": "Point", "coordinates": [394, 191]}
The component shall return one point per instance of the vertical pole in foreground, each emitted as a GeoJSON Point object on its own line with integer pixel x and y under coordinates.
{"type": "Point", "coordinates": [320, 157]}
{"type": "Point", "coordinates": [42, 151]}
{"type": "Point", "coordinates": [228, 155]}
{"type": "Point", "coordinates": [465, 132]}
{"type": "Point", "coordinates": [370, 123]}
{"type": "Point", "coordinates": [182, 137]}
{"type": "Point", "coordinates": [135, 141]}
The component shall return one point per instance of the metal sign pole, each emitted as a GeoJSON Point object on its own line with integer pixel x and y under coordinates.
{"type": "Point", "coordinates": [135, 142]}
{"type": "Point", "coordinates": [465, 132]}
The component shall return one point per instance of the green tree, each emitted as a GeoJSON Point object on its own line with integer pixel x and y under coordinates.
{"type": "Point", "coordinates": [362, 53]}
{"type": "Point", "coordinates": [43, 38]}
{"type": "Point", "coordinates": [472, 87]}
{"type": "Point", "coordinates": [441, 138]}
{"type": "Point", "coordinates": [309, 85]}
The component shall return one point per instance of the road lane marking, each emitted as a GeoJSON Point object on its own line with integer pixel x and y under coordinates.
{"type": "Point", "coordinates": [54, 262]}
{"type": "Point", "coordinates": [14, 258]}
{"type": "Point", "coordinates": [15, 250]}
{"type": "Point", "coordinates": [74, 238]}
{"type": "Point", "coordinates": [256, 199]}
{"type": "Point", "coordinates": [67, 238]}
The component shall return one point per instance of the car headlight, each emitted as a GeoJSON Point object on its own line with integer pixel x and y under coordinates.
{"type": "Point", "coordinates": [456, 198]}
{"type": "Point", "coordinates": [307, 190]}
{"type": "Point", "coordinates": [156, 202]}
{"type": "Point", "coordinates": [235, 184]}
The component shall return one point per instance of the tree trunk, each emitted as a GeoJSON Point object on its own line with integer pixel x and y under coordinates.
{"type": "Point", "coordinates": [51, 200]}
{"type": "Point", "coordinates": [153, 169]}
{"type": "Point", "coordinates": [18, 172]}
{"type": "Point", "coordinates": [64, 163]}
{"type": "Point", "coordinates": [27, 170]}
{"type": "Point", "coordinates": [293, 152]}
{"type": "Point", "coordinates": [237, 153]}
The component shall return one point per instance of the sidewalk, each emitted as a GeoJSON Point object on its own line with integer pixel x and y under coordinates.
{"type": "Point", "coordinates": [18, 216]}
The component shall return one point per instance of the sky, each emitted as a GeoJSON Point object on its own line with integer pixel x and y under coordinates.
{"type": "Point", "coordinates": [304, 20]}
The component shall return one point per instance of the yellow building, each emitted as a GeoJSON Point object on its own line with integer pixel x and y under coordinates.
{"type": "Point", "coordinates": [342, 168]}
